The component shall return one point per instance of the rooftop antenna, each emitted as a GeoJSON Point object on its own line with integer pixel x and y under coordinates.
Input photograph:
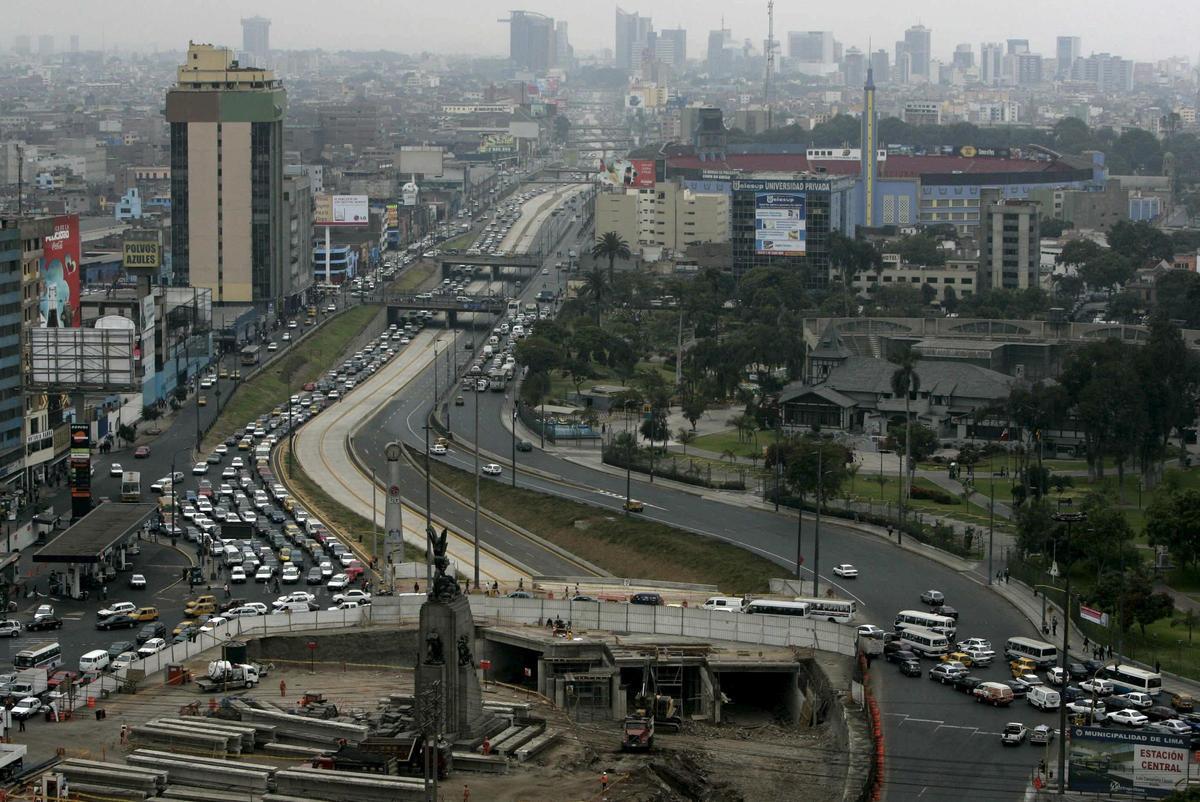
{"type": "Point", "coordinates": [770, 58]}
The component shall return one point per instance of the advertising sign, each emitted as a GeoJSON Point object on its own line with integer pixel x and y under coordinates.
{"type": "Point", "coordinates": [780, 224]}
{"type": "Point", "coordinates": [341, 210]}
{"type": "Point", "coordinates": [497, 143]}
{"type": "Point", "coordinates": [392, 219]}
{"type": "Point", "coordinates": [143, 254]}
{"type": "Point", "coordinates": [1140, 764]}
{"type": "Point", "coordinates": [58, 307]}
{"type": "Point", "coordinates": [638, 173]}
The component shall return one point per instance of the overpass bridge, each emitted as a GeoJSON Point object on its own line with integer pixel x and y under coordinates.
{"type": "Point", "coordinates": [452, 305]}
{"type": "Point", "coordinates": [530, 262]}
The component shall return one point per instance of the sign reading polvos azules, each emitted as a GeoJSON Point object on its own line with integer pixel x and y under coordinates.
{"type": "Point", "coordinates": [142, 253]}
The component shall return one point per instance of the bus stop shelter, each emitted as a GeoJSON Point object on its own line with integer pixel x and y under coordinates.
{"type": "Point", "coordinates": [95, 541]}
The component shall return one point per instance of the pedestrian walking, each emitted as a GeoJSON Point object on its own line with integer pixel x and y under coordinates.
{"type": "Point", "coordinates": [1054, 625]}
{"type": "Point", "coordinates": [604, 782]}
{"type": "Point", "coordinates": [124, 734]}
{"type": "Point", "coordinates": [21, 725]}
{"type": "Point", "coordinates": [282, 688]}
{"type": "Point", "coordinates": [1006, 576]}
{"type": "Point", "coordinates": [466, 793]}
{"type": "Point", "coordinates": [104, 591]}
{"type": "Point", "coordinates": [227, 594]}
{"type": "Point", "coordinates": [1086, 642]}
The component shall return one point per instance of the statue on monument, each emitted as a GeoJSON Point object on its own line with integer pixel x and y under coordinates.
{"type": "Point", "coordinates": [464, 652]}
{"type": "Point", "coordinates": [433, 648]}
{"type": "Point", "coordinates": [445, 588]}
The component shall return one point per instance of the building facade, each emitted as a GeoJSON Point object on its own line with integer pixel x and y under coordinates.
{"type": "Point", "coordinates": [12, 403]}
{"type": "Point", "coordinates": [228, 222]}
{"type": "Point", "coordinates": [256, 40]}
{"type": "Point", "coordinates": [532, 42]}
{"type": "Point", "coordinates": [1009, 243]}
{"type": "Point", "coordinates": [668, 216]}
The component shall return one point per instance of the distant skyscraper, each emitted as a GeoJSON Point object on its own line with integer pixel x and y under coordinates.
{"type": "Point", "coordinates": [719, 58]}
{"type": "Point", "coordinates": [1027, 68]}
{"type": "Point", "coordinates": [21, 44]}
{"type": "Point", "coordinates": [564, 54]}
{"type": "Point", "coordinates": [854, 67]}
{"type": "Point", "coordinates": [881, 66]}
{"type": "Point", "coordinates": [918, 42]}
{"type": "Point", "coordinates": [674, 39]}
{"type": "Point", "coordinates": [991, 63]}
{"type": "Point", "coordinates": [74, 43]}
{"type": "Point", "coordinates": [632, 30]}
{"type": "Point", "coordinates": [532, 41]}
{"type": "Point", "coordinates": [1018, 46]}
{"type": "Point", "coordinates": [46, 45]}
{"type": "Point", "coordinates": [256, 40]}
{"type": "Point", "coordinates": [1069, 49]}
{"type": "Point", "coordinates": [904, 68]}
{"type": "Point", "coordinates": [811, 52]}
{"type": "Point", "coordinates": [964, 57]}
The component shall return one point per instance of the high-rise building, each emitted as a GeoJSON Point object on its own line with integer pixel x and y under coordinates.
{"type": "Point", "coordinates": [854, 67]}
{"type": "Point", "coordinates": [46, 45]}
{"type": "Point", "coordinates": [904, 69]}
{"type": "Point", "coordinates": [532, 41]}
{"type": "Point", "coordinates": [674, 40]}
{"type": "Point", "coordinates": [918, 44]}
{"type": "Point", "coordinates": [74, 43]}
{"type": "Point", "coordinates": [256, 40]}
{"type": "Point", "coordinates": [1017, 46]}
{"type": "Point", "coordinates": [719, 58]}
{"type": "Point", "coordinates": [811, 52]}
{"type": "Point", "coordinates": [21, 44]}
{"type": "Point", "coordinates": [964, 57]}
{"type": "Point", "coordinates": [12, 443]}
{"type": "Point", "coordinates": [923, 112]}
{"type": "Point", "coordinates": [1010, 245]}
{"type": "Point", "coordinates": [1027, 69]}
{"type": "Point", "coordinates": [1068, 51]}
{"type": "Point", "coordinates": [1106, 71]}
{"type": "Point", "coordinates": [228, 221]}
{"type": "Point", "coordinates": [632, 31]}
{"type": "Point", "coordinates": [991, 63]}
{"type": "Point", "coordinates": [564, 54]}
{"type": "Point", "coordinates": [881, 67]}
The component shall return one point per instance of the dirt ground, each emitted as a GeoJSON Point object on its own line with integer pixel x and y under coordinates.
{"type": "Point", "coordinates": [704, 762]}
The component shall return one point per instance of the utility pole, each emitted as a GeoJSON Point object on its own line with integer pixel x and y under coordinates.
{"type": "Point", "coordinates": [475, 525]}
{"type": "Point", "coordinates": [770, 59]}
{"type": "Point", "coordinates": [1068, 518]}
{"type": "Point", "coordinates": [817, 532]}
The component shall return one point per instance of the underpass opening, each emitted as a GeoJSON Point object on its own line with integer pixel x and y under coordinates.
{"type": "Point", "coordinates": [760, 697]}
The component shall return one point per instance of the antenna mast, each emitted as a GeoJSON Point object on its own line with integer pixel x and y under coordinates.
{"type": "Point", "coordinates": [770, 58]}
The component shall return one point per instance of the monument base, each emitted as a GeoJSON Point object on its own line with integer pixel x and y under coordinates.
{"type": "Point", "coordinates": [447, 642]}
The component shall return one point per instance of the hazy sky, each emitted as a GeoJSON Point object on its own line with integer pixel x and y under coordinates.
{"type": "Point", "coordinates": [1129, 29]}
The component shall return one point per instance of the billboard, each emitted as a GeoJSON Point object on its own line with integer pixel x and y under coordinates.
{"type": "Point", "coordinates": [98, 360]}
{"type": "Point", "coordinates": [780, 224]}
{"type": "Point", "coordinates": [391, 216]}
{"type": "Point", "coordinates": [141, 254]}
{"type": "Point", "coordinates": [341, 210]}
{"type": "Point", "coordinates": [58, 307]}
{"type": "Point", "coordinates": [1141, 764]}
{"type": "Point", "coordinates": [497, 143]}
{"type": "Point", "coordinates": [638, 173]}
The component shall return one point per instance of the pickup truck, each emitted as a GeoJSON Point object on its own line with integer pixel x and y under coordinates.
{"type": "Point", "coordinates": [223, 675]}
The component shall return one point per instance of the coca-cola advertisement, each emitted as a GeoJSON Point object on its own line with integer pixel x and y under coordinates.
{"type": "Point", "coordinates": [59, 305]}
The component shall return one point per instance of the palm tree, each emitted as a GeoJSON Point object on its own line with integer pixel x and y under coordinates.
{"type": "Point", "coordinates": [595, 289]}
{"type": "Point", "coordinates": [906, 382]}
{"type": "Point", "coordinates": [611, 246]}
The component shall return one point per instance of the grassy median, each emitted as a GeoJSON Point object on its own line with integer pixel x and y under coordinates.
{"type": "Point", "coordinates": [415, 277]}
{"type": "Point", "coordinates": [626, 546]}
{"type": "Point", "coordinates": [303, 362]}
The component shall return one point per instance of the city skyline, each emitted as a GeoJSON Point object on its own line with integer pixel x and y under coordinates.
{"type": "Point", "coordinates": [449, 26]}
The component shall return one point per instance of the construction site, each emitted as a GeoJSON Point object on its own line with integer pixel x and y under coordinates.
{"type": "Point", "coordinates": [571, 712]}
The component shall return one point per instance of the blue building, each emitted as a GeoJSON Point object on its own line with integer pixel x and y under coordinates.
{"type": "Point", "coordinates": [129, 207]}
{"type": "Point", "coordinates": [12, 402]}
{"type": "Point", "coordinates": [343, 264]}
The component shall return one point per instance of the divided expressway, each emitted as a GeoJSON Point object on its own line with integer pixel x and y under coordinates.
{"type": "Point", "coordinates": [940, 745]}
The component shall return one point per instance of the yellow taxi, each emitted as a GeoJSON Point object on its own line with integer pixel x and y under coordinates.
{"type": "Point", "coordinates": [285, 555]}
{"type": "Point", "coordinates": [633, 505]}
{"type": "Point", "coordinates": [245, 445]}
{"type": "Point", "coordinates": [145, 614]}
{"type": "Point", "coordinates": [199, 600]}
{"type": "Point", "coordinates": [1022, 666]}
{"type": "Point", "coordinates": [956, 657]}
{"type": "Point", "coordinates": [224, 374]}
{"type": "Point", "coordinates": [202, 401]}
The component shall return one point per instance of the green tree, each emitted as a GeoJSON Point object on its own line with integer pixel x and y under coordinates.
{"type": "Point", "coordinates": [817, 466]}
{"type": "Point", "coordinates": [1173, 521]}
{"type": "Point", "coordinates": [535, 387]}
{"type": "Point", "coordinates": [694, 405]}
{"type": "Point", "coordinates": [1079, 252]}
{"type": "Point", "coordinates": [1052, 228]}
{"type": "Point", "coordinates": [595, 291]}
{"type": "Point", "coordinates": [1035, 528]}
{"type": "Point", "coordinates": [1146, 608]}
{"type": "Point", "coordinates": [1189, 620]}
{"type": "Point", "coordinates": [921, 249]}
{"type": "Point", "coordinates": [1072, 135]}
{"type": "Point", "coordinates": [578, 370]}
{"type": "Point", "coordinates": [906, 382]}
{"type": "Point", "coordinates": [924, 440]}
{"type": "Point", "coordinates": [611, 246]}
{"type": "Point", "coordinates": [1140, 241]}
{"type": "Point", "coordinates": [538, 354]}
{"type": "Point", "coordinates": [1107, 271]}
{"type": "Point", "coordinates": [1141, 150]}
{"type": "Point", "coordinates": [149, 412]}
{"type": "Point", "coordinates": [685, 437]}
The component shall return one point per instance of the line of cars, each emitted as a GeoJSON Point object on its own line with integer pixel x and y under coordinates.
{"type": "Point", "coordinates": [507, 214]}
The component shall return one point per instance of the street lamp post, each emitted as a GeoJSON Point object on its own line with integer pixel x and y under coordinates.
{"type": "Point", "coordinates": [513, 433]}
{"type": "Point", "coordinates": [1068, 518]}
{"type": "Point", "coordinates": [475, 524]}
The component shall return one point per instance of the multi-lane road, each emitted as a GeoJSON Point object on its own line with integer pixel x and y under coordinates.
{"type": "Point", "coordinates": [940, 745]}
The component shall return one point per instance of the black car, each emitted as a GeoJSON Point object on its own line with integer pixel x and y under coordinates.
{"type": "Point", "coordinates": [44, 622]}
{"type": "Point", "coordinates": [898, 655]}
{"type": "Point", "coordinates": [117, 647]}
{"type": "Point", "coordinates": [1115, 703]}
{"type": "Point", "coordinates": [584, 598]}
{"type": "Point", "coordinates": [519, 594]}
{"type": "Point", "coordinates": [156, 629]}
{"type": "Point", "coordinates": [1077, 670]}
{"type": "Point", "coordinates": [910, 668]}
{"type": "Point", "coordinates": [119, 621]}
{"type": "Point", "coordinates": [946, 610]}
{"type": "Point", "coordinates": [1073, 692]}
{"type": "Point", "coordinates": [967, 684]}
{"type": "Point", "coordinates": [1158, 712]}
{"type": "Point", "coordinates": [1019, 689]}
{"type": "Point", "coordinates": [1092, 667]}
{"type": "Point", "coordinates": [653, 599]}
{"type": "Point", "coordinates": [314, 576]}
{"type": "Point", "coordinates": [524, 445]}
{"type": "Point", "coordinates": [276, 516]}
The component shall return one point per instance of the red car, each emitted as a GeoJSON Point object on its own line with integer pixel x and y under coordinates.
{"type": "Point", "coordinates": [61, 676]}
{"type": "Point", "coordinates": [354, 571]}
{"type": "Point", "coordinates": [309, 387]}
{"type": "Point", "coordinates": [141, 452]}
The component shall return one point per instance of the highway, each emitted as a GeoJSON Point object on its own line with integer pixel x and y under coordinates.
{"type": "Point", "coordinates": [939, 744]}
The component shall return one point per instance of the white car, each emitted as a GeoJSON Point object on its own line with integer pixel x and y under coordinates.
{"type": "Point", "coordinates": [438, 449]}
{"type": "Point", "coordinates": [326, 569]}
{"type": "Point", "coordinates": [248, 517]}
{"type": "Point", "coordinates": [28, 707]}
{"type": "Point", "coordinates": [869, 631]}
{"type": "Point", "coordinates": [294, 596]}
{"type": "Point", "coordinates": [1100, 687]}
{"type": "Point", "coordinates": [1083, 706]}
{"type": "Point", "coordinates": [152, 647]}
{"type": "Point", "coordinates": [1057, 676]}
{"type": "Point", "coordinates": [115, 470]}
{"type": "Point", "coordinates": [290, 574]}
{"type": "Point", "coordinates": [1130, 718]}
{"type": "Point", "coordinates": [123, 660]}
{"type": "Point", "coordinates": [338, 582]}
{"type": "Point", "coordinates": [213, 623]}
{"type": "Point", "coordinates": [200, 469]}
{"type": "Point", "coordinates": [264, 573]}
{"type": "Point", "coordinates": [137, 582]}
{"type": "Point", "coordinates": [1176, 726]}
{"type": "Point", "coordinates": [237, 575]}
{"type": "Point", "coordinates": [237, 462]}
{"type": "Point", "coordinates": [355, 595]}
{"type": "Point", "coordinates": [1138, 699]}
{"type": "Point", "coordinates": [974, 643]}
{"type": "Point", "coordinates": [346, 605]}
{"type": "Point", "coordinates": [845, 571]}
{"type": "Point", "coordinates": [119, 608]}
{"type": "Point", "coordinates": [272, 346]}
{"type": "Point", "coordinates": [491, 469]}
{"type": "Point", "coordinates": [980, 656]}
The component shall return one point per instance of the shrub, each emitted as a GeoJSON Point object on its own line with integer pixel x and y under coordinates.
{"type": "Point", "coordinates": [933, 494]}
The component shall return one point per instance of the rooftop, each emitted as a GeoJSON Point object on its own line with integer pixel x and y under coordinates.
{"type": "Point", "coordinates": [87, 540]}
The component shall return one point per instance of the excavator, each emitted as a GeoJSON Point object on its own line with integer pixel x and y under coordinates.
{"type": "Point", "coordinates": [650, 710]}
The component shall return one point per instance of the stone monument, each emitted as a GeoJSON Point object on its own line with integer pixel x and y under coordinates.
{"type": "Point", "coordinates": [447, 641]}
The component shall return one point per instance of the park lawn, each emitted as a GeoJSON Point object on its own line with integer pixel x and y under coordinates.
{"type": "Point", "coordinates": [415, 277]}
{"type": "Point", "coordinates": [626, 546]}
{"type": "Point", "coordinates": [302, 363]}
{"type": "Point", "coordinates": [721, 442]}
{"type": "Point", "coordinates": [460, 242]}
{"type": "Point", "coordinates": [563, 388]}
{"type": "Point", "coordinates": [867, 488]}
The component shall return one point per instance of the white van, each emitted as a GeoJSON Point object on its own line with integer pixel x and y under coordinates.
{"type": "Point", "coordinates": [731, 604]}
{"type": "Point", "coordinates": [924, 641]}
{"type": "Point", "coordinates": [94, 661]}
{"type": "Point", "coordinates": [488, 350]}
{"type": "Point", "coordinates": [1042, 653]}
{"type": "Point", "coordinates": [1044, 698]}
{"type": "Point", "coordinates": [233, 555]}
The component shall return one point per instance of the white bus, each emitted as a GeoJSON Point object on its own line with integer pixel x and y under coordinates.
{"type": "Point", "coordinates": [1126, 679]}
{"type": "Point", "coordinates": [943, 624]}
{"type": "Point", "coordinates": [44, 655]}
{"type": "Point", "coordinates": [776, 607]}
{"type": "Point", "coordinates": [924, 641]}
{"type": "Point", "coordinates": [1040, 652]}
{"type": "Point", "coordinates": [839, 611]}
